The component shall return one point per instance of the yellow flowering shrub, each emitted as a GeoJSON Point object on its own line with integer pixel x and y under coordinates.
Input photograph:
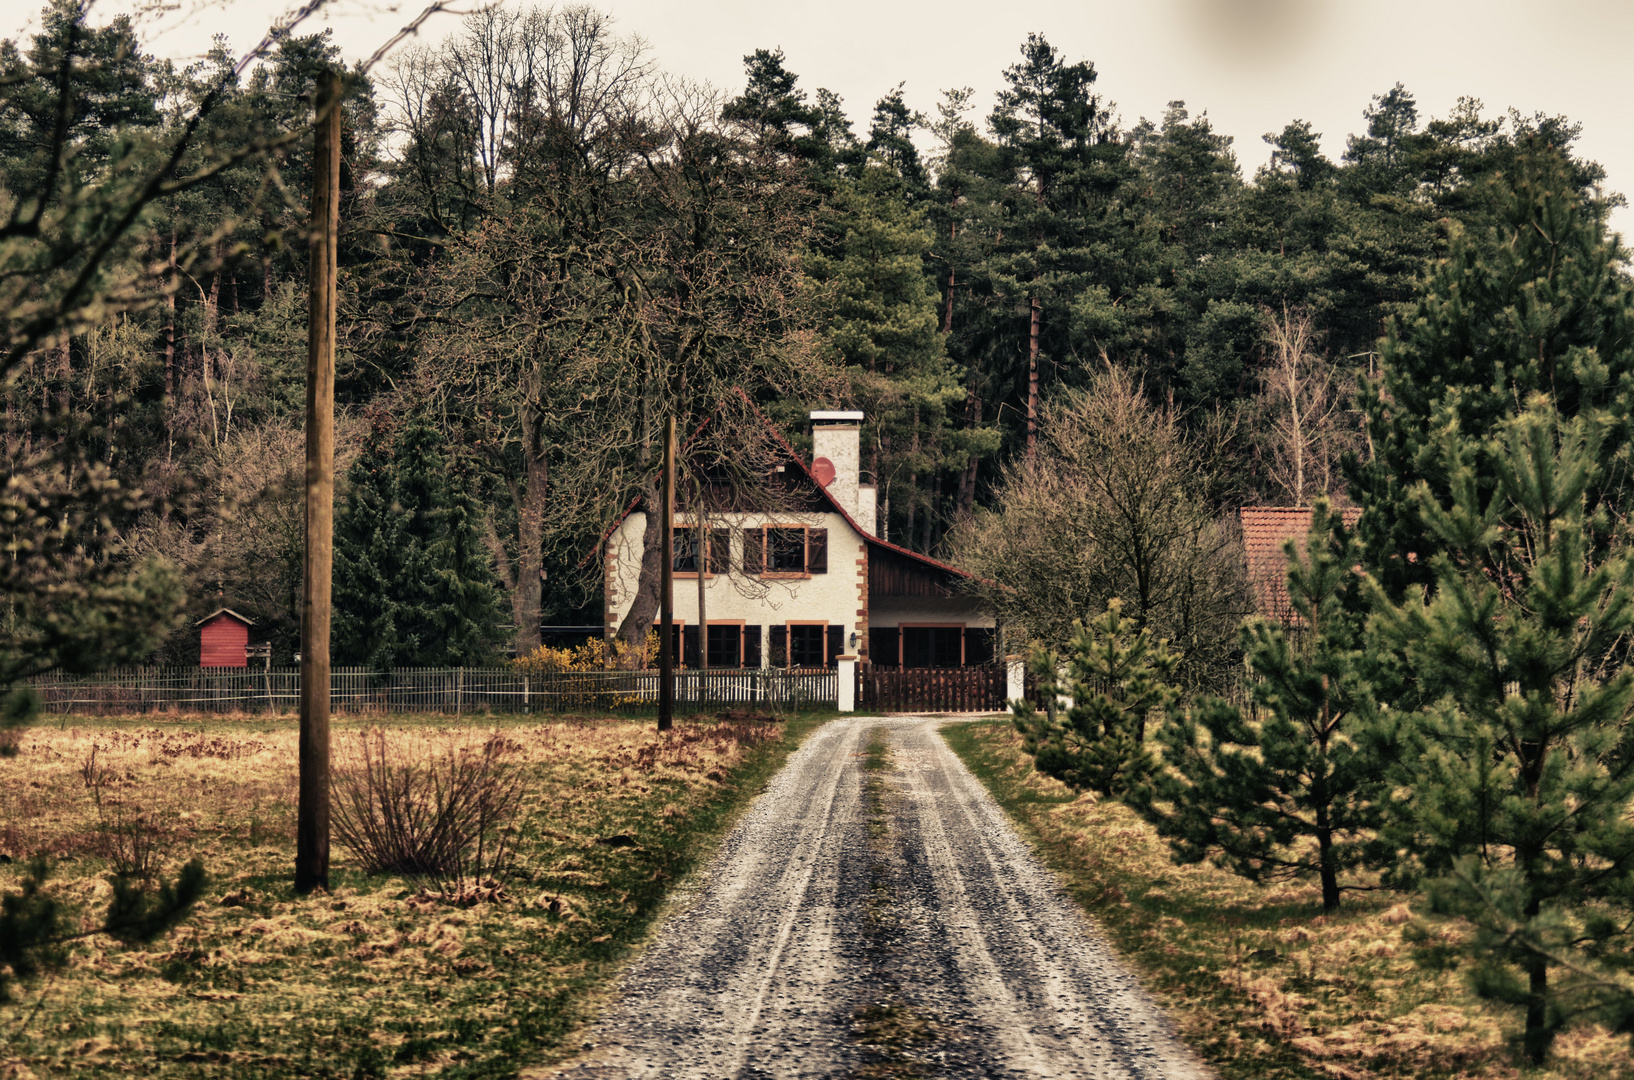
{"type": "Point", "coordinates": [593, 655]}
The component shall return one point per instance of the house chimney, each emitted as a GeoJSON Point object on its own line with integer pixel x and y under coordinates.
{"type": "Point", "coordinates": [836, 461]}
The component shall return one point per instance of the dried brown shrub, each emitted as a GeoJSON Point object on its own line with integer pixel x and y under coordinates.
{"type": "Point", "coordinates": [447, 812]}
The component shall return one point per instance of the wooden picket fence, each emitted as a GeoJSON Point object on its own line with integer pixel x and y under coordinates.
{"type": "Point", "coordinates": [444, 690]}
{"type": "Point", "coordinates": [968, 689]}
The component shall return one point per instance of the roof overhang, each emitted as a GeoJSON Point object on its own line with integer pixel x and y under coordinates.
{"type": "Point", "coordinates": [225, 611]}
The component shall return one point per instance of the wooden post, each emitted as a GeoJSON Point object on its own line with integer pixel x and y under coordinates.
{"type": "Point", "coordinates": [312, 810]}
{"type": "Point", "coordinates": [701, 521]}
{"type": "Point", "coordinates": [666, 588]}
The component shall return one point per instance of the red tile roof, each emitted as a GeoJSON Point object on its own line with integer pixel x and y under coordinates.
{"type": "Point", "coordinates": [805, 471]}
{"type": "Point", "coordinates": [1265, 530]}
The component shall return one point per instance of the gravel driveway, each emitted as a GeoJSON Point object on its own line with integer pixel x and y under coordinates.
{"type": "Point", "coordinates": [882, 922]}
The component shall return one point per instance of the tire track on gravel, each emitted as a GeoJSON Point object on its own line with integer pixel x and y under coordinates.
{"type": "Point", "coordinates": [781, 951]}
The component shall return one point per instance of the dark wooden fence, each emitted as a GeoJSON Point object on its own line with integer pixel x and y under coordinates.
{"type": "Point", "coordinates": [969, 689]}
{"type": "Point", "coordinates": [451, 690]}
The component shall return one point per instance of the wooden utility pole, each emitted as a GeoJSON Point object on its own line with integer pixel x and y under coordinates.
{"type": "Point", "coordinates": [666, 587]}
{"type": "Point", "coordinates": [312, 811]}
{"type": "Point", "coordinates": [701, 532]}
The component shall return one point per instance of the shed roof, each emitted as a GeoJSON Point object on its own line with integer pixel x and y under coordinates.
{"type": "Point", "coordinates": [1265, 530]}
{"type": "Point", "coordinates": [225, 611]}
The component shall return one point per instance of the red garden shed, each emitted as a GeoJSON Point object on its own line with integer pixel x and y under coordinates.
{"type": "Point", "coordinates": [223, 636]}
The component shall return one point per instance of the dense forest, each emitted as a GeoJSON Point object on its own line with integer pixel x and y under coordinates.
{"type": "Point", "coordinates": [549, 243]}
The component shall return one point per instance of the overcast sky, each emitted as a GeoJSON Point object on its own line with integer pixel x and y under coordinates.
{"type": "Point", "coordinates": [1253, 65]}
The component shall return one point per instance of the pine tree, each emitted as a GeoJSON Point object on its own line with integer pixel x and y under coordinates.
{"type": "Point", "coordinates": [1289, 787]}
{"type": "Point", "coordinates": [1060, 229]}
{"type": "Point", "coordinates": [413, 583]}
{"type": "Point", "coordinates": [881, 325]}
{"type": "Point", "coordinates": [1517, 786]}
{"type": "Point", "coordinates": [1539, 304]}
{"type": "Point", "coordinates": [782, 121]}
{"type": "Point", "coordinates": [1115, 676]}
{"type": "Point", "coordinates": [36, 925]}
{"type": "Point", "coordinates": [372, 557]}
{"type": "Point", "coordinates": [890, 138]}
{"type": "Point", "coordinates": [466, 611]}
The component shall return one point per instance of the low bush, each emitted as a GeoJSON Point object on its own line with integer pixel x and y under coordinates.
{"type": "Point", "coordinates": [445, 812]}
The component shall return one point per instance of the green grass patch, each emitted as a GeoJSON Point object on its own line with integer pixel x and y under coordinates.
{"type": "Point", "coordinates": [1261, 983]}
{"type": "Point", "coordinates": [373, 978]}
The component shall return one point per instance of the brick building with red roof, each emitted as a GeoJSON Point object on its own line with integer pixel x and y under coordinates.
{"type": "Point", "coordinates": [803, 585]}
{"type": "Point", "coordinates": [1265, 530]}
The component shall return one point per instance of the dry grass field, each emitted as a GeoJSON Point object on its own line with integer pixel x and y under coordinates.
{"type": "Point", "coordinates": [375, 978]}
{"type": "Point", "coordinates": [1262, 984]}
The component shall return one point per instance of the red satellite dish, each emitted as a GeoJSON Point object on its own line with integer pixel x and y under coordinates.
{"type": "Point", "coordinates": [823, 470]}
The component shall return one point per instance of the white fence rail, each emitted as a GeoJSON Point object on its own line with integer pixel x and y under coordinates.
{"type": "Point", "coordinates": [451, 690]}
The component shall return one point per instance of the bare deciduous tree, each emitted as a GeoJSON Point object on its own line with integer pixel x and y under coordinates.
{"type": "Point", "coordinates": [1114, 505]}
{"type": "Point", "coordinates": [1306, 405]}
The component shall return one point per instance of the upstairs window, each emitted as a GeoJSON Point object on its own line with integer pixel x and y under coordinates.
{"type": "Point", "coordinates": [686, 550]}
{"type": "Point", "coordinates": [785, 549]}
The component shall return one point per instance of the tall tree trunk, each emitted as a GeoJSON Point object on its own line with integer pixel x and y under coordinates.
{"type": "Point", "coordinates": [169, 409]}
{"type": "Point", "coordinates": [947, 304]}
{"type": "Point", "coordinates": [913, 483]}
{"type": "Point", "coordinates": [212, 311]}
{"type": "Point", "coordinates": [530, 544]}
{"type": "Point", "coordinates": [967, 483]}
{"type": "Point", "coordinates": [928, 538]}
{"type": "Point", "coordinates": [912, 509]}
{"type": "Point", "coordinates": [212, 300]}
{"type": "Point", "coordinates": [644, 607]}
{"type": "Point", "coordinates": [65, 375]}
{"type": "Point", "coordinates": [1538, 1034]}
{"type": "Point", "coordinates": [1032, 377]}
{"type": "Point", "coordinates": [1329, 871]}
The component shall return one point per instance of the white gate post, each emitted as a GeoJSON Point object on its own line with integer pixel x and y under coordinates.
{"type": "Point", "coordinates": [848, 683]}
{"type": "Point", "coordinates": [1016, 678]}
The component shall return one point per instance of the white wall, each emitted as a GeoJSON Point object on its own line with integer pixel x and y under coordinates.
{"type": "Point", "coordinates": [755, 600]}
{"type": "Point", "coordinates": [841, 445]}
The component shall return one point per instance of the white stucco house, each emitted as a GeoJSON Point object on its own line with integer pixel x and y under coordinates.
{"type": "Point", "coordinates": [803, 587]}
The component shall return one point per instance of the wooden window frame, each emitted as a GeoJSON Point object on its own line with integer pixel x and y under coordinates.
{"type": "Point", "coordinates": [766, 554]}
{"type": "Point", "coordinates": [709, 575]}
{"type": "Point", "coordinates": [789, 644]}
{"type": "Point", "coordinates": [704, 636]}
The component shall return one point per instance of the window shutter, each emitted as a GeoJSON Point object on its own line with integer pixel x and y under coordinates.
{"type": "Point", "coordinates": [689, 646]}
{"type": "Point", "coordinates": [816, 551]}
{"type": "Point", "coordinates": [836, 644]}
{"type": "Point", "coordinates": [883, 647]}
{"type": "Point", "coordinates": [751, 646]}
{"type": "Point", "coordinates": [720, 547]}
{"type": "Point", "coordinates": [780, 646]}
{"type": "Point", "coordinates": [754, 551]}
